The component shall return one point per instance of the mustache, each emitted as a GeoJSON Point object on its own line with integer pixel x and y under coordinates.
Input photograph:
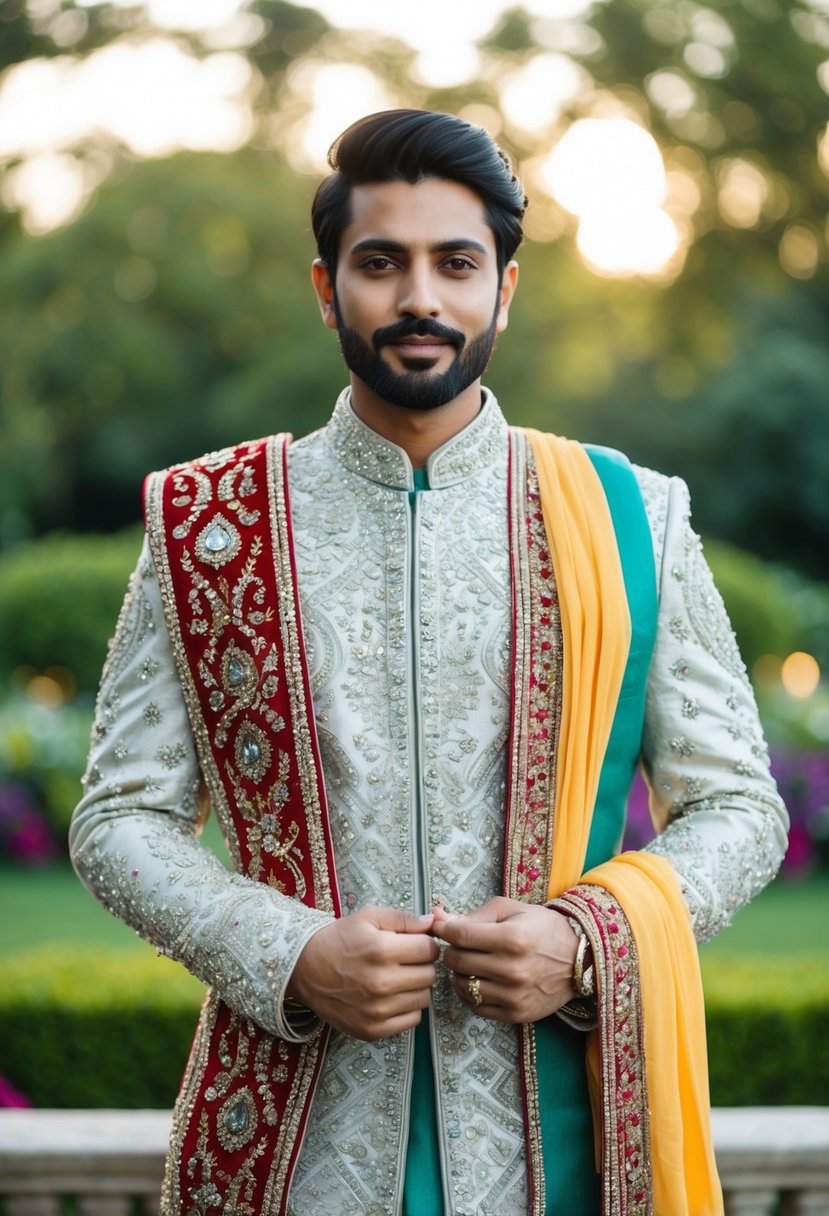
{"type": "Point", "coordinates": [421, 327]}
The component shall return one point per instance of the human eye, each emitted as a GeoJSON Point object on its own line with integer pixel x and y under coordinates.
{"type": "Point", "coordinates": [377, 263]}
{"type": "Point", "coordinates": [459, 263]}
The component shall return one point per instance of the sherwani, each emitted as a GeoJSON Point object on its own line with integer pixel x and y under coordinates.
{"type": "Point", "coordinates": [406, 616]}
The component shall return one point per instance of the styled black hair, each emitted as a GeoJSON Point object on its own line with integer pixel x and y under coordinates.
{"type": "Point", "coordinates": [410, 146]}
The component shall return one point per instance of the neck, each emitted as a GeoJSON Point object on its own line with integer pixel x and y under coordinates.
{"type": "Point", "coordinates": [418, 432]}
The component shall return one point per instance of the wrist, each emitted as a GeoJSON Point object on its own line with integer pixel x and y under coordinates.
{"type": "Point", "coordinates": [584, 983]}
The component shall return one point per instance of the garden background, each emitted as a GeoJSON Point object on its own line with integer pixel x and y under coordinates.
{"type": "Point", "coordinates": [157, 166]}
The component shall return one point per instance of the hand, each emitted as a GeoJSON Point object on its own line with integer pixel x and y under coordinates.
{"type": "Point", "coordinates": [522, 956]}
{"type": "Point", "coordinates": [368, 974]}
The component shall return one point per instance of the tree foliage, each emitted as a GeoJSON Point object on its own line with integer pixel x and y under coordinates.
{"type": "Point", "coordinates": [175, 315]}
{"type": "Point", "coordinates": [172, 318]}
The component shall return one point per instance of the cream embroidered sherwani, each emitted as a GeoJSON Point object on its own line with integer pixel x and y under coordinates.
{"type": "Point", "coordinates": [406, 616]}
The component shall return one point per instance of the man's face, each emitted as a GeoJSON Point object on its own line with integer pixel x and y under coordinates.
{"type": "Point", "coordinates": [417, 300]}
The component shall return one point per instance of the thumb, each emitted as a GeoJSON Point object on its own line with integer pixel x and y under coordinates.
{"type": "Point", "coordinates": [396, 920]}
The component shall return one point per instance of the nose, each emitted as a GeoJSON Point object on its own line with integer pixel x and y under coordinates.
{"type": "Point", "coordinates": [418, 296]}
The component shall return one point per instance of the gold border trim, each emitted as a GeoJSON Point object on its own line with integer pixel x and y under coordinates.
{"type": "Point", "coordinates": [627, 1181]}
{"type": "Point", "coordinates": [154, 513]}
{"type": "Point", "coordinates": [520, 576]}
{"type": "Point", "coordinates": [310, 777]}
{"type": "Point", "coordinates": [184, 1103]}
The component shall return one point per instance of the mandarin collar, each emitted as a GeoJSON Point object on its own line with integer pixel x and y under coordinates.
{"type": "Point", "coordinates": [368, 454]}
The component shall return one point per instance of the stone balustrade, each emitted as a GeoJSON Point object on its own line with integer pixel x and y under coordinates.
{"type": "Point", "coordinates": [773, 1161]}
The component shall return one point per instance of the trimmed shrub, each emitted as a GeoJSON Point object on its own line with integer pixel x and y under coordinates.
{"type": "Point", "coordinates": [85, 1029]}
{"type": "Point", "coordinates": [59, 601]}
{"type": "Point", "coordinates": [768, 1030]}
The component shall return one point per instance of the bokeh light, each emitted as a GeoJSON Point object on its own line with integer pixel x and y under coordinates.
{"type": "Point", "coordinates": [800, 674]}
{"type": "Point", "coordinates": [609, 172]}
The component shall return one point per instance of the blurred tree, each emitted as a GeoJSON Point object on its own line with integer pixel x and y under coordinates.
{"type": "Point", "coordinates": [173, 317]}
{"type": "Point", "coordinates": [175, 313]}
{"type": "Point", "coordinates": [26, 33]}
{"type": "Point", "coordinates": [732, 87]}
{"type": "Point", "coordinates": [279, 33]}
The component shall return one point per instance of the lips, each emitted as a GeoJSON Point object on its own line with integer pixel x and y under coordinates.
{"type": "Point", "coordinates": [418, 338]}
{"type": "Point", "coordinates": [420, 348]}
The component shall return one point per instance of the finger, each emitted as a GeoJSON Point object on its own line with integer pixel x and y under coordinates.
{"type": "Point", "coordinates": [412, 979]}
{"type": "Point", "coordinates": [396, 920]}
{"type": "Point", "coordinates": [396, 1004]}
{"type": "Point", "coordinates": [500, 967]}
{"type": "Point", "coordinates": [472, 962]}
{"type": "Point", "coordinates": [382, 983]}
{"type": "Point", "coordinates": [409, 949]}
{"type": "Point", "coordinates": [496, 1001]}
{"type": "Point", "coordinates": [390, 1027]}
{"type": "Point", "coordinates": [492, 912]}
{"type": "Point", "coordinates": [467, 934]}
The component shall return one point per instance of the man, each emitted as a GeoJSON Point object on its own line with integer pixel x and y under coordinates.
{"type": "Point", "coordinates": [415, 657]}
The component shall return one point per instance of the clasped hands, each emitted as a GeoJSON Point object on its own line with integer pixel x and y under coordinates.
{"type": "Point", "coordinates": [370, 974]}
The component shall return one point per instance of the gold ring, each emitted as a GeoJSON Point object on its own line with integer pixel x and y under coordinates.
{"type": "Point", "coordinates": [473, 987]}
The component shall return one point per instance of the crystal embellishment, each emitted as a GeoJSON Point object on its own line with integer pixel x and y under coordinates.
{"type": "Point", "coordinates": [239, 674]}
{"type": "Point", "coordinates": [236, 1124]}
{"type": "Point", "coordinates": [236, 1117]}
{"type": "Point", "coordinates": [217, 539]}
{"type": "Point", "coordinates": [218, 542]}
{"type": "Point", "coordinates": [253, 751]}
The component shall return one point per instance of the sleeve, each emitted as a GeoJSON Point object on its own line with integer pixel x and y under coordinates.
{"type": "Point", "coordinates": [719, 818]}
{"type": "Point", "coordinates": [134, 834]}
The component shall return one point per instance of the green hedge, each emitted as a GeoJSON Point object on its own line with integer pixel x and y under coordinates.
{"type": "Point", "coordinates": [768, 1030]}
{"type": "Point", "coordinates": [59, 601]}
{"type": "Point", "coordinates": [85, 1029]}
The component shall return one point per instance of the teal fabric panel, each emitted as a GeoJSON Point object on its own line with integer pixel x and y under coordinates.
{"type": "Point", "coordinates": [422, 1184]}
{"type": "Point", "coordinates": [564, 1107]}
{"type": "Point", "coordinates": [422, 1187]}
{"type": "Point", "coordinates": [633, 536]}
{"type": "Point", "coordinates": [571, 1183]}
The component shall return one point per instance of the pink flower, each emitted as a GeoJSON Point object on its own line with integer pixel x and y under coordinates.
{"type": "Point", "coordinates": [11, 1097]}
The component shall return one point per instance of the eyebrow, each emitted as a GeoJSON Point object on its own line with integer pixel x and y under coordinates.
{"type": "Point", "coordinates": [386, 245]}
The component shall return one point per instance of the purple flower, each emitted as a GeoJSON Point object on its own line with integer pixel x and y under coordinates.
{"type": "Point", "coordinates": [803, 780]}
{"type": "Point", "coordinates": [24, 832]}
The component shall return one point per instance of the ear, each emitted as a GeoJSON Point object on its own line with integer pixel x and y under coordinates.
{"type": "Point", "coordinates": [509, 282]}
{"type": "Point", "coordinates": [324, 287]}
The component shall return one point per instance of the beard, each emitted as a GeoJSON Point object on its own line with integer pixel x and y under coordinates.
{"type": "Point", "coordinates": [418, 388]}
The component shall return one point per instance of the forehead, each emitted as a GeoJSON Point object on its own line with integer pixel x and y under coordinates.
{"type": "Point", "coordinates": [425, 213]}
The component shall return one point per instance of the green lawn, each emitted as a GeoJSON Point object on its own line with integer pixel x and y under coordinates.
{"type": "Point", "coordinates": [790, 917]}
{"type": "Point", "coordinates": [39, 907]}
{"type": "Point", "coordinates": [51, 906]}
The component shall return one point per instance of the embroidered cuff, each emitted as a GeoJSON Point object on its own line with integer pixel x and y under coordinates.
{"type": "Point", "coordinates": [294, 1022]}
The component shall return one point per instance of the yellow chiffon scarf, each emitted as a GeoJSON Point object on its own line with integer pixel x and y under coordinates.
{"type": "Point", "coordinates": [596, 631]}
